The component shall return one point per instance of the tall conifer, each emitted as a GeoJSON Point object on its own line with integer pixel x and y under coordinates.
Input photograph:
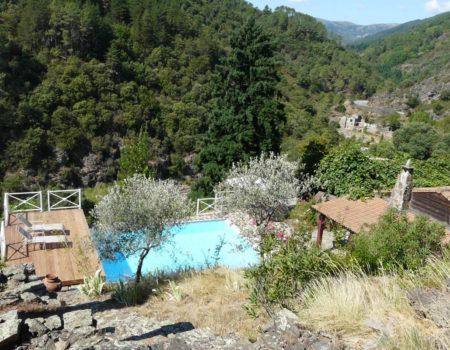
{"type": "Point", "coordinates": [247, 117]}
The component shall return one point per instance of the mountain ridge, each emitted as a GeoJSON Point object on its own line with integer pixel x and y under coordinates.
{"type": "Point", "coordinates": [351, 32]}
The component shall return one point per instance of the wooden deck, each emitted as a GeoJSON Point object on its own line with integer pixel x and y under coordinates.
{"type": "Point", "coordinates": [69, 263]}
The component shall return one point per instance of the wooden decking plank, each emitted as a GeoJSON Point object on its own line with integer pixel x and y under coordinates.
{"type": "Point", "coordinates": [59, 260]}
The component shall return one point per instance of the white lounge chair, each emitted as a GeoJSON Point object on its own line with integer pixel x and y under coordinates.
{"type": "Point", "coordinates": [28, 238]}
{"type": "Point", "coordinates": [32, 226]}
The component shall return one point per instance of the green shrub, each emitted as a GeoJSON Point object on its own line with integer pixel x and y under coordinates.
{"type": "Point", "coordinates": [131, 293]}
{"type": "Point", "coordinates": [289, 263]}
{"type": "Point", "coordinates": [347, 170]}
{"type": "Point", "coordinates": [445, 95]}
{"type": "Point", "coordinates": [417, 139]}
{"type": "Point", "coordinates": [303, 214]}
{"type": "Point", "coordinates": [413, 101]}
{"type": "Point", "coordinates": [396, 242]}
{"type": "Point", "coordinates": [419, 117]}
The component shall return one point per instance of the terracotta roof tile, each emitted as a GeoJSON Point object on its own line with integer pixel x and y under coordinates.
{"type": "Point", "coordinates": [354, 215]}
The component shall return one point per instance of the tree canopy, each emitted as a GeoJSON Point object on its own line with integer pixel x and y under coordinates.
{"type": "Point", "coordinates": [247, 117]}
{"type": "Point", "coordinates": [137, 216]}
{"type": "Point", "coordinates": [79, 78]}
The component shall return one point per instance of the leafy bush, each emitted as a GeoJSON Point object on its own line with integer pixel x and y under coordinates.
{"type": "Point", "coordinates": [445, 95]}
{"type": "Point", "coordinates": [413, 101]}
{"type": "Point", "coordinates": [289, 264]}
{"type": "Point", "coordinates": [396, 242]}
{"type": "Point", "coordinates": [392, 121]}
{"type": "Point", "coordinates": [346, 170]}
{"type": "Point", "coordinates": [303, 214]}
{"type": "Point", "coordinates": [92, 285]}
{"type": "Point", "coordinates": [416, 139]}
{"type": "Point", "coordinates": [420, 117]}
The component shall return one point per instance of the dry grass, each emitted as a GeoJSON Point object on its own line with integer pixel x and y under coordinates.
{"type": "Point", "coordinates": [343, 304]}
{"type": "Point", "coordinates": [435, 274]}
{"type": "Point", "coordinates": [407, 338]}
{"type": "Point", "coordinates": [347, 304]}
{"type": "Point", "coordinates": [211, 298]}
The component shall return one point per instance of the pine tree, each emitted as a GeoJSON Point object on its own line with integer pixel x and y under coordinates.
{"type": "Point", "coordinates": [248, 117]}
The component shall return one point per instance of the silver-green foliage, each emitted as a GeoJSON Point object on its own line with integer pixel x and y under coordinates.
{"type": "Point", "coordinates": [264, 188]}
{"type": "Point", "coordinates": [137, 216]}
{"type": "Point", "coordinates": [92, 285]}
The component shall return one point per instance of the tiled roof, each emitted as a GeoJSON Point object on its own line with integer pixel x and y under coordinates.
{"type": "Point", "coordinates": [445, 191]}
{"type": "Point", "coordinates": [353, 214]}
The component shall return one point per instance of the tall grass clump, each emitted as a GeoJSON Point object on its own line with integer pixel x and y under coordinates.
{"type": "Point", "coordinates": [369, 308]}
{"type": "Point", "coordinates": [434, 274]}
{"type": "Point", "coordinates": [407, 338]}
{"type": "Point", "coordinates": [341, 304]}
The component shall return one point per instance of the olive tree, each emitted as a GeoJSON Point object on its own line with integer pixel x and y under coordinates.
{"type": "Point", "coordinates": [137, 216]}
{"type": "Point", "coordinates": [264, 188]}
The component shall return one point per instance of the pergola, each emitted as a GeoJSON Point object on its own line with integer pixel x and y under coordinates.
{"type": "Point", "coordinates": [351, 214]}
{"type": "Point", "coordinates": [354, 215]}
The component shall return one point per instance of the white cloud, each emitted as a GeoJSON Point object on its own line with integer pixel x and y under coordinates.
{"type": "Point", "coordinates": [437, 6]}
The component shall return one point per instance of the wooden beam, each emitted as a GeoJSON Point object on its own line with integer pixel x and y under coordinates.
{"type": "Point", "coordinates": [320, 227]}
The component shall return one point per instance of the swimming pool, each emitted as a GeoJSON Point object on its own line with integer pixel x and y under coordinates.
{"type": "Point", "coordinates": [196, 245]}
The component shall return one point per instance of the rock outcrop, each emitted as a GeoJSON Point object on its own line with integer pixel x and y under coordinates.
{"type": "Point", "coordinates": [9, 328]}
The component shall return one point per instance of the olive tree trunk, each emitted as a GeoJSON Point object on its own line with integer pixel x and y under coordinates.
{"type": "Point", "coordinates": [142, 256]}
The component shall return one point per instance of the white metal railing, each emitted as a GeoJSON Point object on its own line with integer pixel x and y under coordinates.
{"type": "Point", "coordinates": [2, 241]}
{"type": "Point", "coordinates": [21, 202]}
{"type": "Point", "coordinates": [206, 205]}
{"type": "Point", "coordinates": [64, 199]}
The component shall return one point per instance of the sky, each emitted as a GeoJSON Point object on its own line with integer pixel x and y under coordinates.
{"type": "Point", "coordinates": [363, 11]}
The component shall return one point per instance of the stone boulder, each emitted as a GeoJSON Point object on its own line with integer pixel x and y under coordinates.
{"type": "Point", "coordinates": [53, 322]}
{"type": "Point", "coordinates": [9, 328]}
{"type": "Point", "coordinates": [78, 318]}
{"type": "Point", "coordinates": [29, 297]}
{"type": "Point", "coordinates": [432, 304]}
{"type": "Point", "coordinates": [36, 326]}
{"type": "Point", "coordinates": [286, 332]}
{"type": "Point", "coordinates": [10, 271]}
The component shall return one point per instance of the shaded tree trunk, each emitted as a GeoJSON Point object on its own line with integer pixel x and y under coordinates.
{"type": "Point", "coordinates": [142, 256]}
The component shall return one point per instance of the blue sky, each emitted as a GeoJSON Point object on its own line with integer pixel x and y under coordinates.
{"type": "Point", "coordinates": [363, 11]}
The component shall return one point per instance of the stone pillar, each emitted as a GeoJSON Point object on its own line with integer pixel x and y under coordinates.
{"type": "Point", "coordinates": [402, 191]}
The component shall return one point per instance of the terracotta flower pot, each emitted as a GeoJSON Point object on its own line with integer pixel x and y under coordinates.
{"type": "Point", "coordinates": [52, 283]}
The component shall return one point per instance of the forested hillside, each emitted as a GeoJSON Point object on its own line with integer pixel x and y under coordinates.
{"type": "Point", "coordinates": [411, 52]}
{"type": "Point", "coordinates": [350, 32]}
{"type": "Point", "coordinates": [83, 80]}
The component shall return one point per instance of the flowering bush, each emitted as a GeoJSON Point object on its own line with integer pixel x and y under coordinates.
{"type": "Point", "coordinates": [265, 189]}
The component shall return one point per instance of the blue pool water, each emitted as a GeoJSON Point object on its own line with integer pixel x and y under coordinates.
{"type": "Point", "coordinates": [196, 245]}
